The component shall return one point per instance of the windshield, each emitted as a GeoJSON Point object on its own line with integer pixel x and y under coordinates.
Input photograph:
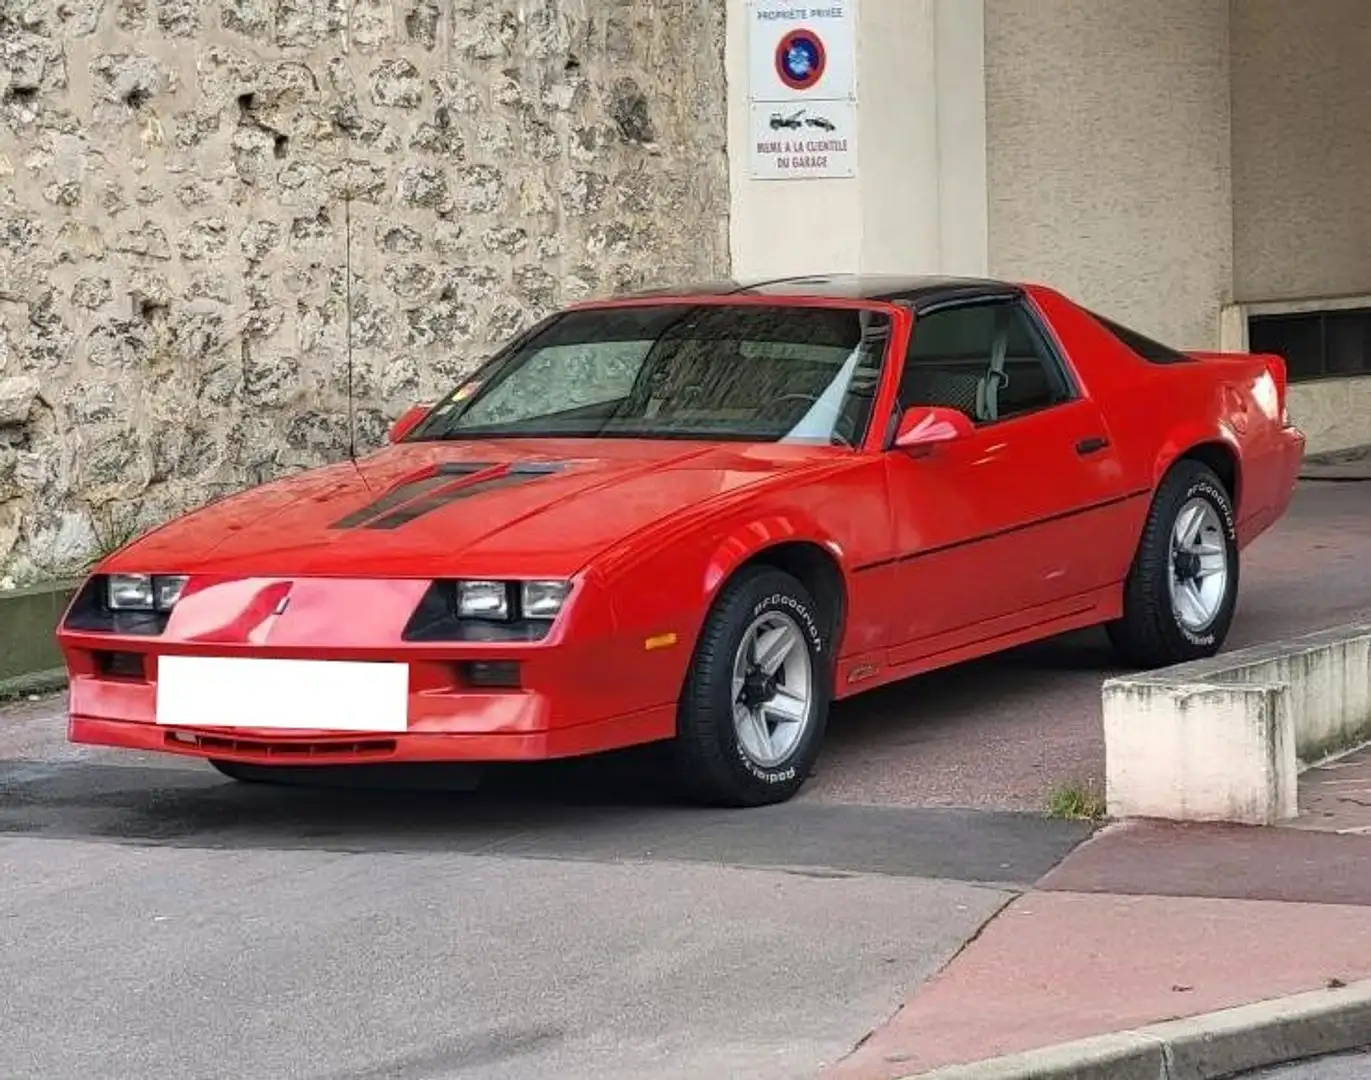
{"type": "Point", "coordinates": [760, 373]}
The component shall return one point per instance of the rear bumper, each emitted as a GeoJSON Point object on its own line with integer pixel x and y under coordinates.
{"type": "Point", "coordinates": [1270, 482]}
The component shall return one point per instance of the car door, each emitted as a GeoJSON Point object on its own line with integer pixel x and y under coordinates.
{"type": "Point", "coordinates": [1014, 525]}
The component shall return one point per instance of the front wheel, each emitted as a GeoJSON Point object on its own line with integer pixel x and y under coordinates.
{"type": "Point", "coordinates": [1183, 587]}
{"type": "Point", "coordinates": [755, 704]}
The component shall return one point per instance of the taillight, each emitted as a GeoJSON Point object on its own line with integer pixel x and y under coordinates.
{"type": "Point", "coordinates": [1275, 367]}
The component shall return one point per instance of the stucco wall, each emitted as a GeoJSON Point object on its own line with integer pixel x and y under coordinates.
{"type": "Point", "coordinates": [1301, 148]}
{"type": "Point", "coordinates": [1108, 156]}
{"type": "Point", "coordinates": [184, 186]}
{"type": "Point", "coordinates": [1334, 414]}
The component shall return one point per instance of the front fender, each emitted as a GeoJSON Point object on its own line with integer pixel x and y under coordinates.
{"type": "Point", "coordinates": [661, 597]}
{"type": "Point", "coordinates": [746, 542]}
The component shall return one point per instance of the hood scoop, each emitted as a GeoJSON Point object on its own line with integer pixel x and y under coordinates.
{"type": "Point", "coordinates": [437, 487]}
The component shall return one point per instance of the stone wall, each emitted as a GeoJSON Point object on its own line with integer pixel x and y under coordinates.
{"type": "Point", "coordinates": [209, 207]}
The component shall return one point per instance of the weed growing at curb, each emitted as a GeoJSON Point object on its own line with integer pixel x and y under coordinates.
{"type": "Point", "coordinates": [1076, 802]}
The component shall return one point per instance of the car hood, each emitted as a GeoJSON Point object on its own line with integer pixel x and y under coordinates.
{"type": "Point", "coordinates": [487, 508]}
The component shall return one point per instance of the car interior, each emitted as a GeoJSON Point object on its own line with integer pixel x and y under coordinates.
{"type": "Point", "coordinates": [984, 361]}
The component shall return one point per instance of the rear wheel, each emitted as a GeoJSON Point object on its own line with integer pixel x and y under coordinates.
{"type": "Point", "coordinates": [755, 704]}
{"type": "Point", "coordinates": [1183, 587]}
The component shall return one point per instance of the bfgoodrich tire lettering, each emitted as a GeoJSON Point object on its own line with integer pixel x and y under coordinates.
{"type": "Point", "coordinates": [721, 756]}
{"type": "Point", "coordinates": [1156, 628]}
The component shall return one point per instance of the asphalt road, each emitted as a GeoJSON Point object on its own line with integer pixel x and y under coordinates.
{"type": "Point", "coordinates": [1342, 1067]}
{"type": "Point", "coordinates": [161, 922]}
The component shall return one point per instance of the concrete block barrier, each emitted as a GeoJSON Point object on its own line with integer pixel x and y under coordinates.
{"type": "Point", "coordinates": [1225, 739]}
{"type": "Point", "coordinates": [30, 661]}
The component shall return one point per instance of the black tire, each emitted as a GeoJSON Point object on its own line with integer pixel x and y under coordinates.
{"type": "Point", "coordinates": [1151, 634]}
{"type": "Point", "coordinates": [711, 763]}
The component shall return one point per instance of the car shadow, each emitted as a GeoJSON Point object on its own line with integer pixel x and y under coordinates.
{"type": "Point", "coordinates": [622, 802]}
{"type": "Point", "coordinates": [110, 800]}
{"type": "Point", "coordinates": [603, 811]}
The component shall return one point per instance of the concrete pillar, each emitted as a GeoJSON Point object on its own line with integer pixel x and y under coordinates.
{"type": "Point", "coordinates": [918, 201]}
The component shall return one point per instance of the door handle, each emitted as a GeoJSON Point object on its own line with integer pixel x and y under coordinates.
{"type": "Point", "coordinates": [1092, 445]}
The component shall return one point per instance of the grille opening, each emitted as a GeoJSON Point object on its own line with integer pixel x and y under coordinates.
{"type": "Point", "coordinates": [286, 748]}
{"type": "Point", "coordinates": [492, 674]}
{"type": "Point", "coordinates": [121, 665]}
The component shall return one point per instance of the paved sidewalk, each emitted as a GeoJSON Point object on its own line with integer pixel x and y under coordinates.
{"type": "Point", "coordinates": [1146, 922]}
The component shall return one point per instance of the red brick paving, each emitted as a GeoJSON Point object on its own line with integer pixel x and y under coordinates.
{"type": "Point", "coordinates": [1219, 861]}
{"type": "Point", "coordinates": [1145, 922]}
{"type": "Point", "coordinates": [1054, 967]}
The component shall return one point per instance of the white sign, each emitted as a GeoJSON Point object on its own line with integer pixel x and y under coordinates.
{"type": "Point", "coordinates": [801, 49]}
{"type": "Point", "coordinates": [804, 141]}
{"type": "Point", "coordinates": [803, 88]}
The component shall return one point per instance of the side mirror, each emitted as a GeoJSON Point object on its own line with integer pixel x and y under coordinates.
{"type": "Point", "coordinates": [407, 422]}
{"type": "Point", "coordinates": [929, 425]}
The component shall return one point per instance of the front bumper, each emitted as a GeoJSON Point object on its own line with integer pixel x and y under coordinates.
{"type": "Point", "coordinates": [587, 686]}
{"type": "Point", "coordinates": [360, 748]}
{"type": "Point", "coordinates": [568, 701]}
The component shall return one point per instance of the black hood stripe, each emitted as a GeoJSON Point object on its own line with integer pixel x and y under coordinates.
{"type": "Point", "coordinates": [404, 493]}
{"type": "Point", "coordinates": [423, 496]}
{"type": "Point", "coordinates": [417, 509]}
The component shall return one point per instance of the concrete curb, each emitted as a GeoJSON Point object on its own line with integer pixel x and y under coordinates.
{"type": "Point", "coordinates": [1346, 465]}
{"type": "Point", "coordinates": [1211, 1046]}
{"type": "Point", "coordinates": [1338, 474]}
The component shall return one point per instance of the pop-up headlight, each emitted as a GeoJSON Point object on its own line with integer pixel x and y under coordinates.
{"type": "Point", "coordinates": [543, 599]}
{"type": "Point", "coordinates": [143, 592]}
{"type": "Point", "coordinates": [488, 611]}
{"type": "Point", "coordinates": [483, 600]}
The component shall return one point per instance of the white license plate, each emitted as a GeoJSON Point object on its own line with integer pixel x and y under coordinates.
{"type": "Point", "coordinates": [313, 695]}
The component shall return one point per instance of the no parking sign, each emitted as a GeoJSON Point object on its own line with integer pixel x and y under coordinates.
{"type": "Point", "coordinates": [802, 65]}
{"type": "Point", "coordinates": [801, 59]}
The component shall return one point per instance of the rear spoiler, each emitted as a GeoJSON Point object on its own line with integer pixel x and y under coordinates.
{"type": "Point", "coordinates": [1275, 367]}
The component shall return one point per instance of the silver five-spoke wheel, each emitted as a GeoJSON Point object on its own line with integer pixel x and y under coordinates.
{"type": "Point", "coordinates": [773, 696]}
{"type": "Point", "coordinates": [1198, 566]}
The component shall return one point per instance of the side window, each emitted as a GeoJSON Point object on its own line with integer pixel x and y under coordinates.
{"type": "Point", "coordinates": [987, 360]}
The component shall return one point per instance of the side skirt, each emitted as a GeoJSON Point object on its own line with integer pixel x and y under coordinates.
{"type": "Point", "coordinates": [857, 674]}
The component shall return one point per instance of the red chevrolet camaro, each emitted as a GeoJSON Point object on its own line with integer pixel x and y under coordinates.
{"type": "Point", "coordinates": [698, 518]}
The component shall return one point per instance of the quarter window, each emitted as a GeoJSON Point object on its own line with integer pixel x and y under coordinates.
{"type": "Point", "coordinates": [989, 361]}
{"type": "Point", "coordinates": [1154, 352]}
